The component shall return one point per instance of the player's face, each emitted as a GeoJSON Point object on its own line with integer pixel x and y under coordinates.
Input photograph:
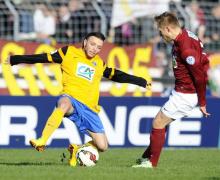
{"type": "Point", "coordinates": [92, 46]}
{"type": "Point", "coordinates": [165, 33]}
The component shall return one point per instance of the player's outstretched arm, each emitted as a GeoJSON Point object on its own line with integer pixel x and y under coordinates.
{"type": "Point", "coordinates": [28, 59]}
{"type": "Point", "coordinates": [122, 77]}
{"type": "Point", "coordinates": [54, 57]}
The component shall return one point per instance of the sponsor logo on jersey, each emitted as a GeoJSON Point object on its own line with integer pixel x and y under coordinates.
{"type": "Point", "coordinates": [192, 35]}
{"type": "Point", "coordinates": [85, 71]}
{"type": "Point", "coordinates": [190, 60]}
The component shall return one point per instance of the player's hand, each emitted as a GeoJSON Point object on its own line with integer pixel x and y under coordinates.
{"type": "Point", "coordinates": [203, 110]}
{"type": "Point", "coordinates": [148, 86]}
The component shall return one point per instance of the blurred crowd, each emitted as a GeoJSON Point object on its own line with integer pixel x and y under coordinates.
{"type": "Point", "coordinates": [67, 21]}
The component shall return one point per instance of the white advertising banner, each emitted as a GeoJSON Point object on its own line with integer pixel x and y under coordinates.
{"type": "Point", "coordinates": [126, 10]}
{"type": "Point", "coordinates": [127, 122]}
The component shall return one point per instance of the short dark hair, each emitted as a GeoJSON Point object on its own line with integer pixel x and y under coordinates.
{"type": "Point", "coordinates": [96, 34]}
{"type": "Point", "coordinates": [167, 18]}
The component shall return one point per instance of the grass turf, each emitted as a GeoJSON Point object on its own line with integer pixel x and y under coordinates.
{"type": "Point", "coordinates": [114, 164]}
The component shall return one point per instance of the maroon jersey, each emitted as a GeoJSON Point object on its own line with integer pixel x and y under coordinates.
{"type": "Point", "coordinates": [190, 65]}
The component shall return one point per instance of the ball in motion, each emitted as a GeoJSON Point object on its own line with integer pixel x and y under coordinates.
{"type": "Point", "coordinates": [87, 155]}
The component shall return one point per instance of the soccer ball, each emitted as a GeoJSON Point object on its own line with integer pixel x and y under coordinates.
{"type": "Point", "coordinates": [87, 156]}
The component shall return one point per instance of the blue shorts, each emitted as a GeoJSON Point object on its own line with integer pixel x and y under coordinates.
{"type": "Point", "coordinates": [84, 118]}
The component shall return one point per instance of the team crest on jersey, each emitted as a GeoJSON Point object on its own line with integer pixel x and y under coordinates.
{"type": "Point", "coordinates": [190, 60]}
{"type": "Point", "coordinates": [85, 71]}
{"type": "Point", "coordinates": [94, 63]}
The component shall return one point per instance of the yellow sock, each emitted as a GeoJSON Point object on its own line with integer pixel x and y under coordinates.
{"type": "Point", "coordinates": [52, 124]}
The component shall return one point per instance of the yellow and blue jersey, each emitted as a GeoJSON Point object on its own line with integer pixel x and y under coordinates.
{"type": "Point", "coordinates": [81, 76]}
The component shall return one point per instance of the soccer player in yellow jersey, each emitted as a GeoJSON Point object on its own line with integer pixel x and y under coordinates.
{"type": "Point", "coordinates": [82, 70]}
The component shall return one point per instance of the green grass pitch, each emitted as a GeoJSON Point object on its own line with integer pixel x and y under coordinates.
{"type": "Point", "coordinates": [114, 164]}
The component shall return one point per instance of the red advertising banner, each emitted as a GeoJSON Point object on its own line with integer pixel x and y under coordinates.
{"type": "Point", "coordinates": [45, 79]}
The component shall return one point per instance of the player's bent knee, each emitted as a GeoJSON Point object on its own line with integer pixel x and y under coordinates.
{"type": "Point", "coordinates": [66, 106]}
{"type": "Point", "coordinates": [161, 121]}
{"type": "Point", "coordinates": [158, 124]}
{"type": "Point", "coordinates": [102, 147]}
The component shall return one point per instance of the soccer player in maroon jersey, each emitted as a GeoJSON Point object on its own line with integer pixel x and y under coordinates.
{"type": "Point", "coordinates": [190, 65]}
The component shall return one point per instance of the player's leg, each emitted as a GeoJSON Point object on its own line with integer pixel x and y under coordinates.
{"type": "Point", "coordinates": [64, 106]}
{"type": "Point", "coordinates": [158, 132]}
{"type": "Point", "coordinates": [151, 155]}
{"type": "Point", "coordinates": [99, 140]}
{"type": "Point", "coordinates": [157, 124]}
{"type": "Point", "coordinates": [90, 124]}
{"type": "Point", "coordinates": [96, 131]}
{"type": "Point", "coordinates": [157, 137]}
{"type": "Point", "coordinates": [178, 106]}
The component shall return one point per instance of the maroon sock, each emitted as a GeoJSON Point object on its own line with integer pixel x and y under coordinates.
{"type": "Point", "coordinates": [157, 139]}
{"type": "Point", "coordinates": [146, 153]}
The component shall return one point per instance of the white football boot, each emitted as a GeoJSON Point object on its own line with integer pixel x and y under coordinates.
{"type": "Point", "coordinates": [143, 163]}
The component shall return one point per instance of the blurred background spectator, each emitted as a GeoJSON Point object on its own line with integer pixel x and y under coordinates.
{"type": "Point", "coordinates": [64, 32]}
{"type": "Point", "coordinates": [214, 81]}
{"type": "Point", "coordinates": [44, 23]}
{"type": "Point", "coordinates": [212, 34]}
{"type": "Point", "coordinates": [6, 21]}
{"type": "Point", "coordinates": [196, 19]}
{"type": "Point", "coordinates": [78, 24]}
{"type": "Point", "coordinates": [128, 33]}
{"type": "Point", "coordinates": [70, 20]}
